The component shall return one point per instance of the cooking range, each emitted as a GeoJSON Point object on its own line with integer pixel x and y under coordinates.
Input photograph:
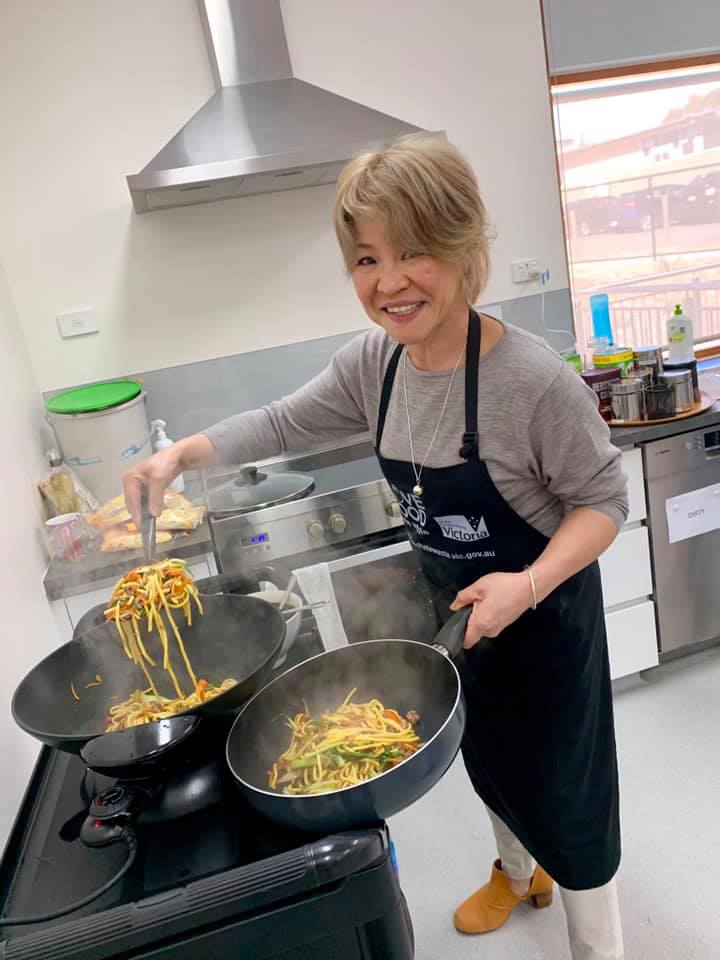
{"type": "Point", "coordinates": [212, 878]}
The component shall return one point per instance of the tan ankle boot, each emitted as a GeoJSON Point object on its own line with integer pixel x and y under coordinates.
{"type": "Point", "coordinates": [490, 906]}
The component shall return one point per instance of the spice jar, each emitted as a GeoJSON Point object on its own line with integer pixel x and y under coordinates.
{"type": "Point", "coordinates": [682, 386]}
{"type": "Point", "coordinates": [692, 366]}
{"type": "Point", "coordinates": [648, 359]}
{"type": "Point", "coordinates": [660, 401]}
{"type": "Point", "coordinates": [621, 357]}
{"type": "Point", "coordinates": [628, 402]}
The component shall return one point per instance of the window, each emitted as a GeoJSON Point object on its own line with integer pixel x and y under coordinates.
{"type": "Point", "coordinates": [639, 160]}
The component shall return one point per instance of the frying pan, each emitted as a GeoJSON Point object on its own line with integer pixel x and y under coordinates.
{"type": "Point", "coordinates": [403, 674]}
{"type": "Point", "coordinates": [237, 637]}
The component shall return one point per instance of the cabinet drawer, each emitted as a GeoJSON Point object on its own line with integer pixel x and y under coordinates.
{"type": "Point", "coordinates": [632, 640]}
{"type": "Point", "coordinates": [633, 469]}
{"type": "Point", "coordinates": [625, 568]}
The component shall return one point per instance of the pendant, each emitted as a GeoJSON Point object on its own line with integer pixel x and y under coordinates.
{"type": "Point", "coordinates": [417, 490]}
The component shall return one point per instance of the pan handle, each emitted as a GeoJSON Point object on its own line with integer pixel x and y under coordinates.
{"type": "Point", "coordinates": [449, 640]}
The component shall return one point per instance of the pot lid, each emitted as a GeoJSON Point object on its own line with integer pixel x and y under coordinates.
{"type": "Point", "coordinates": [253, 490]}
{"type": "Point", "coordinates": [98, 396]}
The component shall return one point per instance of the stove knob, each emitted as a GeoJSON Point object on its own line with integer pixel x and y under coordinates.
{"type": "Point", "coordinates": [315, 530]}
{"type": "Point", "coordinates": [337, 523]}
{"type": "Point", "coordinates": [392, 509]}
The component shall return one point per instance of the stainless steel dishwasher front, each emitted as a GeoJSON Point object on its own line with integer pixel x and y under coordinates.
{"type": "Point", "coordinates": [686, 572]}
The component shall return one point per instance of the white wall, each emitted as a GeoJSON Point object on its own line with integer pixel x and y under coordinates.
{"type": "Point", "coordinates": [28, 630]}
{"type": "Point", "coordinates": [475, 68]}
{"type": "Point", "coordinates": [91, 89]}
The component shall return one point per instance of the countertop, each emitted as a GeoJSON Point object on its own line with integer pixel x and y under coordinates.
{"type": "Point", "coordinates": [69, 578]}
{"type": "Point", "coordinates": [632, 436]}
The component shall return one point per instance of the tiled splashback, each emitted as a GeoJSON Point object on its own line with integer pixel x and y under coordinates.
{"type": "Point", "coordinates": [191, 396]}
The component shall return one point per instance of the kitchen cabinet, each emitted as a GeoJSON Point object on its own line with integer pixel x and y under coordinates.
{"type": "Point", "coordinates": [626, 574]}
{"type": "Point", "coordinates": [632, 640]}
{"type": "Point", "coordinates": [625, 568]}
{"type": "Point", "coordinates": [632, 465]}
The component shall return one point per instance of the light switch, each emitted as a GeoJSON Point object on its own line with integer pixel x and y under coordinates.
{"type": "Point", "coordinates": [77, 324]}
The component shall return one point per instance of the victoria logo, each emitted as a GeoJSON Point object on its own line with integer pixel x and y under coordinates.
{"type": "Point", "coordinates": [463, 528]}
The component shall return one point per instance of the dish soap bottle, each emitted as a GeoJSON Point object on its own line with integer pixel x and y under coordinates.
{"type": "Point", "coordinates": [680, 336]}
{"type": "Point", "coordinates": [161, 441]}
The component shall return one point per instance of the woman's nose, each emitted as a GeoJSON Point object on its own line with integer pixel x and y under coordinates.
{"type": "Point", "coordinates": [392, 280]}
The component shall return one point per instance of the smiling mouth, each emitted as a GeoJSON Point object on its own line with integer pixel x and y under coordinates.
{"type": "Point", "coordinates": [405, 311]}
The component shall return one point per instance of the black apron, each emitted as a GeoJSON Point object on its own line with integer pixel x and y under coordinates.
{"type": "Point", "coordinates": [539, 745]}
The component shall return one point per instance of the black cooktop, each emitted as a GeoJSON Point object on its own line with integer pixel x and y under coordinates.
{"type": "Point", "coordinates": [220, 882]}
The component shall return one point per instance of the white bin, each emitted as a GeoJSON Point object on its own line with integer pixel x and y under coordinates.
{"type": "Point", "coordinates": [101, 444]}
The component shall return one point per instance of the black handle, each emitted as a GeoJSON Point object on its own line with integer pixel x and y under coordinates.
{"type": "Point", "coordinates": [452, 634]}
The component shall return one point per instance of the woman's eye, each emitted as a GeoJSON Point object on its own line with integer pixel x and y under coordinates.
{"type": "Point", "coordinates": [365, 261]}
{"type": "Point", "coordinates": [410, 254]}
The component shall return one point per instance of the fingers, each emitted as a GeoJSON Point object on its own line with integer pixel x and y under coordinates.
{"type": "Point", "coordinates": [156, 495]}
{"type": "Point", "coordinates": [132, 488]}
{"type": "Point", "coordinates": [483, 622]}
{"type": "Point", "coordinates": [465, 597]}
{"type": "Point", "coordinates": [473, 633]}
{"type": "Point", "coordinates": [151, 476]}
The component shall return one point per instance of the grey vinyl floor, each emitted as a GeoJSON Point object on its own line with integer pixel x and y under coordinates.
{"type": "Point", "coordinates": [668, 729]}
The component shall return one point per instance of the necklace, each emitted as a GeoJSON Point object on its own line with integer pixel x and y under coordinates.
{"type": "Point", "coordinates": [418, 488]}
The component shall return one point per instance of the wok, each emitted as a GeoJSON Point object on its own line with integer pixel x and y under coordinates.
{"type": "Point", "coordinates": [403, 674]}
{"type": "Point", "coordinates": [237, 637]}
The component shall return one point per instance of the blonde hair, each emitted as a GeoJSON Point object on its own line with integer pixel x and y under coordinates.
{"type": "Point", "coordinates": [425, 194]}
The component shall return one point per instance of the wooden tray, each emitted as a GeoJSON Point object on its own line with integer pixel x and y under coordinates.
{"type": "Point", "coordinates": [703, 404]}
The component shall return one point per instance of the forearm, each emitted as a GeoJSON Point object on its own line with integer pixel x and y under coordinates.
{"type": "Point", "coordinates": [581, 537]}
{"type": "Point", "coordinates": [193, 453]}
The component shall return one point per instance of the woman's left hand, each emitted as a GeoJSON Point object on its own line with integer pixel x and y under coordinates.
{"type": "Point", "coordinates": [498, 599]}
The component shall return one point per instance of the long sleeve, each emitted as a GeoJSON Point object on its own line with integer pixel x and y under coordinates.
{"type": "Point", "coordinates": [330, 407]}
{"type": "Point", "coordinates": [572, 449]}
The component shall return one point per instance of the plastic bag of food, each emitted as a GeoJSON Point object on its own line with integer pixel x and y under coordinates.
{"type": "Point", "coordinates": [176, 518]}
{"type": "Point", "coordinates": [179, 514]}
{"type": "Point", "coordinates": [118, 538]}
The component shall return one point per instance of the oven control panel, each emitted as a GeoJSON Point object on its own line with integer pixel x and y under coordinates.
{"type": "Point", "coordinates": [314, 523]}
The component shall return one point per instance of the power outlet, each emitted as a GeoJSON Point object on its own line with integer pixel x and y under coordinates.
{"type": "Point", "coordinates": [523, 271]}
{"type": "Point", "coordinates": [77, 324]}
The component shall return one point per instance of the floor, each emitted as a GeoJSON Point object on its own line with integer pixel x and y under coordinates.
{"type": "Point", "coordinates": [668, 728]}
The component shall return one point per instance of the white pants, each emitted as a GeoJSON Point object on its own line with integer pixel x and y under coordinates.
{"type": "Point", "coordinates": [593, 916]}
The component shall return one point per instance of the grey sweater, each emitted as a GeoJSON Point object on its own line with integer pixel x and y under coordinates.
{"type": "Point", "coordinates": [545, 445]}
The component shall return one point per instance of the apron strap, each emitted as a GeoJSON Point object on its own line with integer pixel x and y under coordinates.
{"type": "Point", "coordinates": [469, 446]}
{"type": "Point", "coordinates": [386, 392]}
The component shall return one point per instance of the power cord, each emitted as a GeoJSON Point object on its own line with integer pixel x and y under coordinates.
{"type": "Point", "coordinates": [130, 839]}
{"type": "Point", "coordinates": [544, 279]}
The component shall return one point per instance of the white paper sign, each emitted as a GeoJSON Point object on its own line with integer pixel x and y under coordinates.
{"type": "Point", "coordinates": [691, 514]}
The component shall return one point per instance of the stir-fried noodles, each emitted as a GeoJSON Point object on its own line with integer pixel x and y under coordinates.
{"type": "Point", "coordinates": [143, 706]}
{"type": "Point", "coordinates": [341, 748]}
{"type": "Point", "coordinates": [143, 601]}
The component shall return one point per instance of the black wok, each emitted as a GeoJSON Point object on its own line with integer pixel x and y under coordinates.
{"type": "Point", "coordinates": [405, 675]}
{"type": "Point", "coordinates": [237, 637]}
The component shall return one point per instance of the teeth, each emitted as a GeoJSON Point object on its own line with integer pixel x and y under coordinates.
{"type": "Point", "coordinates": [407, 309]}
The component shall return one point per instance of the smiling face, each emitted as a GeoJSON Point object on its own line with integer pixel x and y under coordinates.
{"type": "Point", "coordinates": [414, 296]}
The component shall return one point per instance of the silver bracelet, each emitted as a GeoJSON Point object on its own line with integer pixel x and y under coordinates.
{"type": "Point", "coordinates": [533, 605]}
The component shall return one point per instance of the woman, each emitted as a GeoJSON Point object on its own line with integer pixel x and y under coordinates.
{"type": "Point", "coordinates": [510, 489]}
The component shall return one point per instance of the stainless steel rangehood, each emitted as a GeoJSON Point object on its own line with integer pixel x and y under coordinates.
{"type": "Point", "coordinates": [263, 130]}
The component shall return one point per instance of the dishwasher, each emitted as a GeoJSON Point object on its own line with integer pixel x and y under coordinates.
{"type": "Point", "coordinates": [683, 485]}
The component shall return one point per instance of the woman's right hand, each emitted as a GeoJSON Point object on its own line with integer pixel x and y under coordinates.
{"type": "Point", "coordinates": [157, 473]}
